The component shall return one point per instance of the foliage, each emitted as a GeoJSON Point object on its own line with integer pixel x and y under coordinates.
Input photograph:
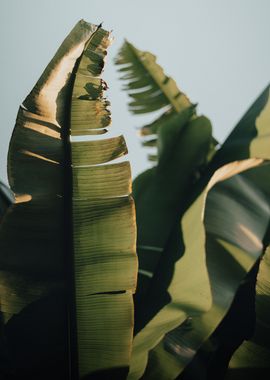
{"type": "Point", "coordinates": [68, 264]}
{"type": "Point", "coordinates": [68, 268]}
{"type": "Point", "coordinates": [195, 178]}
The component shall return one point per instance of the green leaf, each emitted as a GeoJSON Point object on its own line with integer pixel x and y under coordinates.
{"type": "Point", "coordinates": [150, 89]}
{"type": "Point", "coordinates": [67, 246]}
{"type": "Point", "coordinates": [153, 189]}
{"type": "Point", "coordinates": [161, 193]}
{"type": "Point", "coordinates": [155, 89]}
{"type": "Point", "coordinates": [252, 130]}
{"type": "Point", "coordinates": [250, 137]}
{"type": "Point", "coordinates": [215, 253]}
{"type": "Point", "coordinates": [255, 353]}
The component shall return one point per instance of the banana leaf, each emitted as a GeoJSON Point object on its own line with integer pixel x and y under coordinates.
{"type": "Point", "coordinates": [67, 245]}
{"type": "Point", "coordinates": [252, 359]}
{"type": "Point", "coordinates": [239, 323]}
{"type": "Point", "coordinates": [250, 137]}
{"type": "Point", "coordinates": [250, 189]}
{"type": "Point", "coordinates": [229, 243]}
{"type": "Point", "coordinates": [150, 89]}
{"type": "Point", "coordinates": [160, 193]}
{"type": "Point", "coordinates": [214, 357]}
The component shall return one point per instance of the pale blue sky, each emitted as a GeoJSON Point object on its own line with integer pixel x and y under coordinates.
{"type": "Point", "coordinates": [216, 50]}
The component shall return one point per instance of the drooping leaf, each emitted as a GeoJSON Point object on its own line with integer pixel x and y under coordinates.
{"type": "Point", "coordinates": [229, 243]}
{"type": "Point", "coordinates": [249, 139]}
{"type": "Point", "coordinates": [67, 246]}
{"type": "Point", "coordinates": [211, 361]}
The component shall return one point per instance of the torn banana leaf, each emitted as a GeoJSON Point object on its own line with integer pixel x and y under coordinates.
{"type": "Point", "coordinates": [184, 145]}
{"type": "Point", "coordinates": [67, 245]}
{"type": "Point", "coordinates": [150, 89]}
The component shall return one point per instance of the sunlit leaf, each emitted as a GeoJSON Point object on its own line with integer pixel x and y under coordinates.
{"type": "Point", "coordinates": [67, 246]}
{"type": "Point", "coordinates": [248, 139]}
{"type": "Point", "coordinates": [177, 287]}
{"type": "Point", "coordinates": [160, 201]}
{"type": "Point", "coordinates": [253, 356]}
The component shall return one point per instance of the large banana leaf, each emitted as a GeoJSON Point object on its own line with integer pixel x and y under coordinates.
{"type": "Point", "coordinates": [226, 209]}
{"type": "Point", "coordinates": [232, 246]}
{"type": "Point", "coordinates": [250, 138]}
{"type": "Point", "coordinates": [67, 245]}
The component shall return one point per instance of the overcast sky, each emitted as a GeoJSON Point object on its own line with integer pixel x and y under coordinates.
{"type": "Point", "coordinates": [216, 50]}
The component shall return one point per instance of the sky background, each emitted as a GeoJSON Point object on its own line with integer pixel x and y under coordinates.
{"type": "Point", "coordinates": [216, 50]}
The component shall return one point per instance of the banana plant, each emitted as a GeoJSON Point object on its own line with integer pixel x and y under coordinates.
{"type": "Point", "coordinates": [206, 230]}
{"type": "Point", "coordinates": [67, 244]}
